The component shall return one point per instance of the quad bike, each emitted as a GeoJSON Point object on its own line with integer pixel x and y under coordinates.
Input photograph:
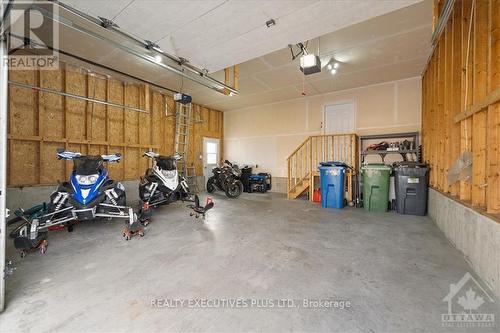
{"type": "Point", "coordinates": [199, 210]}
{"type": "Point", "coordinates": [90, 194]}
{"type": "Point", "coordinates": [226, 178]}
{"type": "Point", "coordinates": [161, 185]}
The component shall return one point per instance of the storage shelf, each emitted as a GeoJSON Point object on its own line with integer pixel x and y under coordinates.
{"type": "Point", "coordinates": [366, 140]}
{"type": "Point", "coordinates": [374, 152]}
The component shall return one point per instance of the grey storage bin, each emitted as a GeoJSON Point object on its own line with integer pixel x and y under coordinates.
{"type": "Point", "coordinates": [411, 188]}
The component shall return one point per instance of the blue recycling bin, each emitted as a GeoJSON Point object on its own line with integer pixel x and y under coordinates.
{"type": "Point", "coordinates": [332, 175]}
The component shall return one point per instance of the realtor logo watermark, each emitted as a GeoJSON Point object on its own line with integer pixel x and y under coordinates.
{"type": "Point", "coordinates": [466, 299]}
{"type": "Point", "coordinates": [33, 36]}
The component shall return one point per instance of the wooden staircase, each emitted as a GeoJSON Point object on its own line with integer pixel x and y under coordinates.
{"type": "Point", "coordinates": [303, 162]}
{"type": "Point", "coordinates": [300, 187]}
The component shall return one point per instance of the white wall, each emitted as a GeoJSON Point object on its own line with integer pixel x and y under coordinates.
{"type": "Point", "coordinates": [265, 135]}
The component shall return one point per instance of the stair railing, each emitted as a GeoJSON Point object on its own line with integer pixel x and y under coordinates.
{"type": "Point", "coordinates": [299, 164]}
{"type": "Point", "coordinates": [304, 160]}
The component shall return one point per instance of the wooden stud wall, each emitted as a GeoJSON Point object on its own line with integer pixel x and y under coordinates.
{"type": "Point", "coordinates": [461, 108]}
{"type": "Point", "coordinates": [41, 122]}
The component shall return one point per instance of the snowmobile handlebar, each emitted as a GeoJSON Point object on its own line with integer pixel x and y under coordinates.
{"type": "Point", "coordinates": [69, 155]}
{"type": "Point", "coordinates": [153, 155]}
{"type": "Point", "coordinates": [112, 158]}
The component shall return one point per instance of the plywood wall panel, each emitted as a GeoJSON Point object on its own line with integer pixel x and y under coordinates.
{"type": "Point", "coordinates": [117, 170]}
{"type": "Point", "coordinates": [51, 106]}
{"type": "Point", "coordinates": [131, 164]}
{"type": "Point", "coordinates": [24, 162]}
{"type": "Point", "coordinates": [76, 83]}
{"type": "Point", "coordinates": [144, 163]}
{"type": "Point", "coordinates": [97, 150]}
{"type": "Point", "coordinates": [144, 121]}
{"type": "Point", "coordinates": [169, 131]}
{"type": "Point", "coordinates": [96, 112]}
{"type": "Point", "coordinates": [39, 123]}
{"type": "Point", "coordinates": [158, 125]}
{"type": "Point", "coordinates": [467, 72]}
{"type": "Point", "coordinates": [116, 117]}
{"type": "Point", "coordinates": [23, 119]}
{"type": "Point", "coordinates": [51, 169]}
{"type": "Point", "coordinates": [131, 129]}
{"type": "Point", "coordinates": [205, 114]}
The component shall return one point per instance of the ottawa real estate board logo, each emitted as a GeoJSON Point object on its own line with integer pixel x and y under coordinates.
{"type": "Point", "coordinates": [33, 35]}
{"type": "Point", "coordinates": [467, 301]}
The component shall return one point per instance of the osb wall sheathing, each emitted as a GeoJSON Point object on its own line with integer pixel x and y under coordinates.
{"type": "Point", "coordinates": [41, 122]}
{"type": "Point", "coordinates": [461, 109]}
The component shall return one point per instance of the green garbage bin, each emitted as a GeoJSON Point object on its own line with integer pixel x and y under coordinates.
{"type": "Point", "coordinates": [376, 179]}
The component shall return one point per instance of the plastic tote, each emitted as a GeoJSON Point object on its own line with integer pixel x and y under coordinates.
{"type": "Point", "coordinates": [332, 175]}
{"type": "Point", "coordinates": [376, 178]}
{"type": "Point", "coordinates": [411, 188]}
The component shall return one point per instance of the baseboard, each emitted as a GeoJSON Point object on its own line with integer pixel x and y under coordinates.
{"type": "Point", "coordinates": [279, 184]}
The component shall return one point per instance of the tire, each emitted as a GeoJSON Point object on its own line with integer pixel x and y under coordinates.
{"type": "Point", "coordinates": [234, 189]}
{"type": "Point", "coordinates": [211, 185]}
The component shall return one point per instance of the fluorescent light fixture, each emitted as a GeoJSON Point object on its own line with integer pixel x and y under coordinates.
{"type": "Point", "coordinates": [310, 64]}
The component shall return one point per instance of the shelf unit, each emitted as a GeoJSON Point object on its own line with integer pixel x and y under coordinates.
{"type": "Point", "coordinates": [410, 136]}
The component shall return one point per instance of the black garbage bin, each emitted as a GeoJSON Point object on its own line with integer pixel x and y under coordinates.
{"type": "Point", "coordinates": [411, 187]}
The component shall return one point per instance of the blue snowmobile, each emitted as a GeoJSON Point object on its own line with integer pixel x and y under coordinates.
{"type": "Point", "coordinates": [88, 195]}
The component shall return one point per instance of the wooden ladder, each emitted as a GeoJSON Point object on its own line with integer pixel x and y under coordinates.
{"type": "Point", "coordinates": [183, 122]}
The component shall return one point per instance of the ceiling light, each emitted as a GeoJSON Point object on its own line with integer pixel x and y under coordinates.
{"type": "Point", "coordinates": [333, 71]}
{"type": "Point", "coordinates": [329, 66]}
{"type": "Point", "coordinates": [158, 58]}
{"type": "Point", "coordinates": [336, 65]}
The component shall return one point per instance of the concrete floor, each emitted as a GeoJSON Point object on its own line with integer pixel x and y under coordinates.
{"type": "Point", "coordinates": [395, 271]}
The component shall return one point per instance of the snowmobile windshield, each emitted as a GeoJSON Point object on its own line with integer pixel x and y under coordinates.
{"type": "Point", "coordinates": [166, 163]}
{"type": "Point", "coordinates": [87, 165]}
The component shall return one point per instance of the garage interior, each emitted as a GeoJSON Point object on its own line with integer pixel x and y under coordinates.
{"type": "Point", "coordinates": [392, 106]}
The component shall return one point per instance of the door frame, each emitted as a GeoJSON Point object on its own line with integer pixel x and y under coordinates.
{"type": "Point", "coordinates": [344, 101]}
{"type": "Point", "coordinates": [4, 213]}
{"type": "Point", "coordinates": [219, 157]}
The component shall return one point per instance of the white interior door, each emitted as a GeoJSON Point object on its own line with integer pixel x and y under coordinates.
{"type": "Point", "coordinates": [211, 155]}
{"type": "Point", "coordinates": [340, 118]}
